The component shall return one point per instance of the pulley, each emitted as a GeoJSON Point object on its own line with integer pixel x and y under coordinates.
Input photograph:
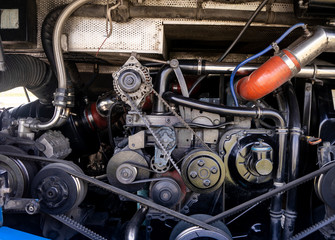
{"type": "Point", "coordinates": [203, 171]}
{"type": "Point", "coordinates": [166, 192]}
{"type": "Point", "coordinates": [58, 191]}
{"type": "Point", "coordinates": [20, 173]}
{"type": "Point", "coordinates": [186, 231]}
{"type": "Point", "coordinates": [126, 167]}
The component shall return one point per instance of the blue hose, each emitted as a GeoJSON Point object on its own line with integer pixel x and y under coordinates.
{"type": "Point", "coordinates": [288, 31]}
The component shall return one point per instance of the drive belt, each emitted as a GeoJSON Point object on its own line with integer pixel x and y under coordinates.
{"type": "Point", "coordinates": [171, 212]}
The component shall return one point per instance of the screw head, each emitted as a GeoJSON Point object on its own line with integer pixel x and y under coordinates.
{"type": "Point", "coordinates": [201, 163]}
{"type": "Point", "coordinates": [206, 182]}
{"type": "Point", "coordinates": [193, 174]}
{"type": "Point", "coordinates": [214, 170]}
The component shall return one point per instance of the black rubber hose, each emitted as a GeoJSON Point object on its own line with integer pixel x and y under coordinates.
{"type": "Point", "coordinates": [31, 73]}
{"type": "Point", "coordinates": [225, 110]}
{"type": "Point", "coordinates": [47, 34]}
{"type": "Point", "coordinates": [134, 224]}
{"type": "Point", "coordinates": [294, 161]}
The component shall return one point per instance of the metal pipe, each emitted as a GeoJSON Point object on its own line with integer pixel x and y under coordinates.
{"type": "Point", "coordinates": [323, 72]}
{"type": "Point", "coordinates": [60, 102]}
{"type": "Point", "coordinates": [276, 202]}
{"type": "Point", "coordinates": [203, 67]}
{"type": "Point", "coordinates": [161, 85]}
{"type": "Point", "coordinates": [131, 232]}
{"type": "Point", "coordinates": [138, 11]}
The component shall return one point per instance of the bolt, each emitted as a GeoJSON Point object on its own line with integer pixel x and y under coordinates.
{"type": "Point", "coordinates": [206, 182]}
{"type": "Point", "coordinates": [214, 170]}
{"type": "Point", "coordinates": [201, 163]}
{"type": "Point", "coordinates": [193, 174]}
{"type": "Point", "coordinates": [216, 122]}
{"type": "Point", "coordinates": [168, 120]}
{"type": "Point", "coordinates": [174, 63]}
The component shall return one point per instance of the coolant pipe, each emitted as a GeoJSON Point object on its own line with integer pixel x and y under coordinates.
{"type": "Point", "coordinates": [287, 64]}
{"type": "Point", "coordinates": [60, 101]}
{"type": "Point", "coordinates": [135, 222]}
{"type": "Point", "coordinates": [293, 161]}
{"type": "Point", "coordinates": [225, 110]}
{"type": "Point", "coordinates": [276, 211]}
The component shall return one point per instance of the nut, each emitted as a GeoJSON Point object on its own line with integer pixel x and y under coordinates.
{"type": "Point", "coordinates": [193, 174]}
{"type": "Point", "coordinates": [201, 163]}
{"type": "Point", "coordinates": [206, 182]}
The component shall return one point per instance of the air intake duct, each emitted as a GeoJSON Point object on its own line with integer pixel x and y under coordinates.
{"type": "Point", "coordinates": [282, 67]}
{"type": "Point", "coordinates": [29, 72]}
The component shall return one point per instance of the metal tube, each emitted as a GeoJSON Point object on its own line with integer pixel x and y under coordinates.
{"type": "Point", "coordinates": [323, 72]}
{"type": "Point", "coordinates": [193, 67]}
{"type": "Point", "coordinates": [59, 62]}
{"type": "Point", "coordinates": [161, 87]}
{"type": "Point", "coordinates": [187, 13]}
{"type": "Point", "coordinates": [131, 232]}
{"type": "Point", "coordinates": [307, 48]}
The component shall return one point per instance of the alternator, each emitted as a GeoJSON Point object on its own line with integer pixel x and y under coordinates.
{"type": "Point", "coordinates": [133, 80]}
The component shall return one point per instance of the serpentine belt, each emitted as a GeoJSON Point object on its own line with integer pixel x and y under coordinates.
{"type": "Point", "coordinates": [171, 212]}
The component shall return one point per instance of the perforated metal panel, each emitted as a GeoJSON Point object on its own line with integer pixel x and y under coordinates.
{"type": "Point", "coordinates": [140, 35]}
{"type": "Point", "coordinates": [87, 34]}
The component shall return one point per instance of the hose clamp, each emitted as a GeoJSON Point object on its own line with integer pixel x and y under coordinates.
{"type": "Point", "coordinates": [60, 97]}
{"type": "Point", "coordinates": [296, 130]}
{"type": "Point", "coordinates": [289, 62]}
{"type": "Point", "coordinates": [281, 130]}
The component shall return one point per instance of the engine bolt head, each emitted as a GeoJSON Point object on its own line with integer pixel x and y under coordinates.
{"type": "Point", "coordinates": [193, 174]}
{"type": "Point", "coordinates": [201, 163]}
{"type": "Point", "coordinates": [206, 182]}
{"type": "Point", "coordinates": [214, 170]}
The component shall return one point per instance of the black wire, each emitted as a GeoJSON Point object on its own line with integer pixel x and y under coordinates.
{"type": "Point", "coordinates": [253, 16]}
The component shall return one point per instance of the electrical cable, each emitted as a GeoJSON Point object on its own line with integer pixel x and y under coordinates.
{"type": "Point", "coordinates": [258, 55]}
{"type": "Point", "coordinates": [251, 19]}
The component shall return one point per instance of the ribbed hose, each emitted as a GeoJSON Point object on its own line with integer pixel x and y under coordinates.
{"type": "Point", "coordinates": [47, 34]}
{"type": "Point", "coordinates": [31, 73]}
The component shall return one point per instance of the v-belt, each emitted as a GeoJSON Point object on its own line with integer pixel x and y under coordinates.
{"type": "Point", "coordinates": [171, 212]}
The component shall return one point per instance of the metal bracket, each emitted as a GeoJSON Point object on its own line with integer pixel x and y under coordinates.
{"type": "Point", "coordinates": [174, 64]}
